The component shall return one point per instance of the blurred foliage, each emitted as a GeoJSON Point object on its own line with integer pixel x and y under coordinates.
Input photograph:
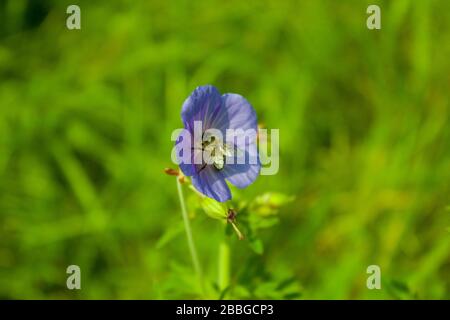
{"type": "Point", "coordinates": [85, 123]}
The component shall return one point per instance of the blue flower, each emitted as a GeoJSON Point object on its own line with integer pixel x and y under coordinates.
{"type": "Point", "coordinates": [215, 154]}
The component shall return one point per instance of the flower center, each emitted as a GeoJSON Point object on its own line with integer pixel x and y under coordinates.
{"type": "Point", "coordinates": [216, 150]}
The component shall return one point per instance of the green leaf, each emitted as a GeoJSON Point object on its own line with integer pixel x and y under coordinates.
{"type": "Point", "coordinates": [256, 245]}
{"type": "Point", "coordinates": [224, 293]}
{"type": "Point", "coordinates": [274, 199]}
{"type": "Point", "coordinates": [258, 222]}
{"type": "Point", "coordinates": [269, 203]}
{"type": "Point", "coordinates": [400, 286]}
{"type": "Point", "coordinates": [398, 289]}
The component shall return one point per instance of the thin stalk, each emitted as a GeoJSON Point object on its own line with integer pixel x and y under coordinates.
{"type": "Point", "coordinates": [187, 227]}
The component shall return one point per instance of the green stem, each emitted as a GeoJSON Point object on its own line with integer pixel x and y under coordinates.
{"type": "Point", "coordinates": [224, 265]}
{"type": "Point", "coordinates": [187, 227]}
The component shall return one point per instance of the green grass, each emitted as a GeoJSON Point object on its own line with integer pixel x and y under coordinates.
{"type": "Point", "coordinates": [85, 124]}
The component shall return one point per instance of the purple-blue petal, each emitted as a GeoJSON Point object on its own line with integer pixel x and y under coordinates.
{"type": "Point", "coordinates": [241, 114]}
{"type": "Point", "coordinates": [204, 104]}
{"type": "Point", "coordinates": [211, 183]}
{"type": "Point", "coordinates": [185, 144]}
{"type": "Point", "coordinates": [242, 175]}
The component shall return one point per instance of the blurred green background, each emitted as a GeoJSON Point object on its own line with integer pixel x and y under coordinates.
{"type": "Point", "coordinates": [85, 123]}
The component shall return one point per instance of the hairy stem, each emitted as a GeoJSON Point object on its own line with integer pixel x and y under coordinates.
{"type": "Point", "coordinates": [187, 227]}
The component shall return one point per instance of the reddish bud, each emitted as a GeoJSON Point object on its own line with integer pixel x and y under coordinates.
{"type": "Point", "coordinates": [171, 172]}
